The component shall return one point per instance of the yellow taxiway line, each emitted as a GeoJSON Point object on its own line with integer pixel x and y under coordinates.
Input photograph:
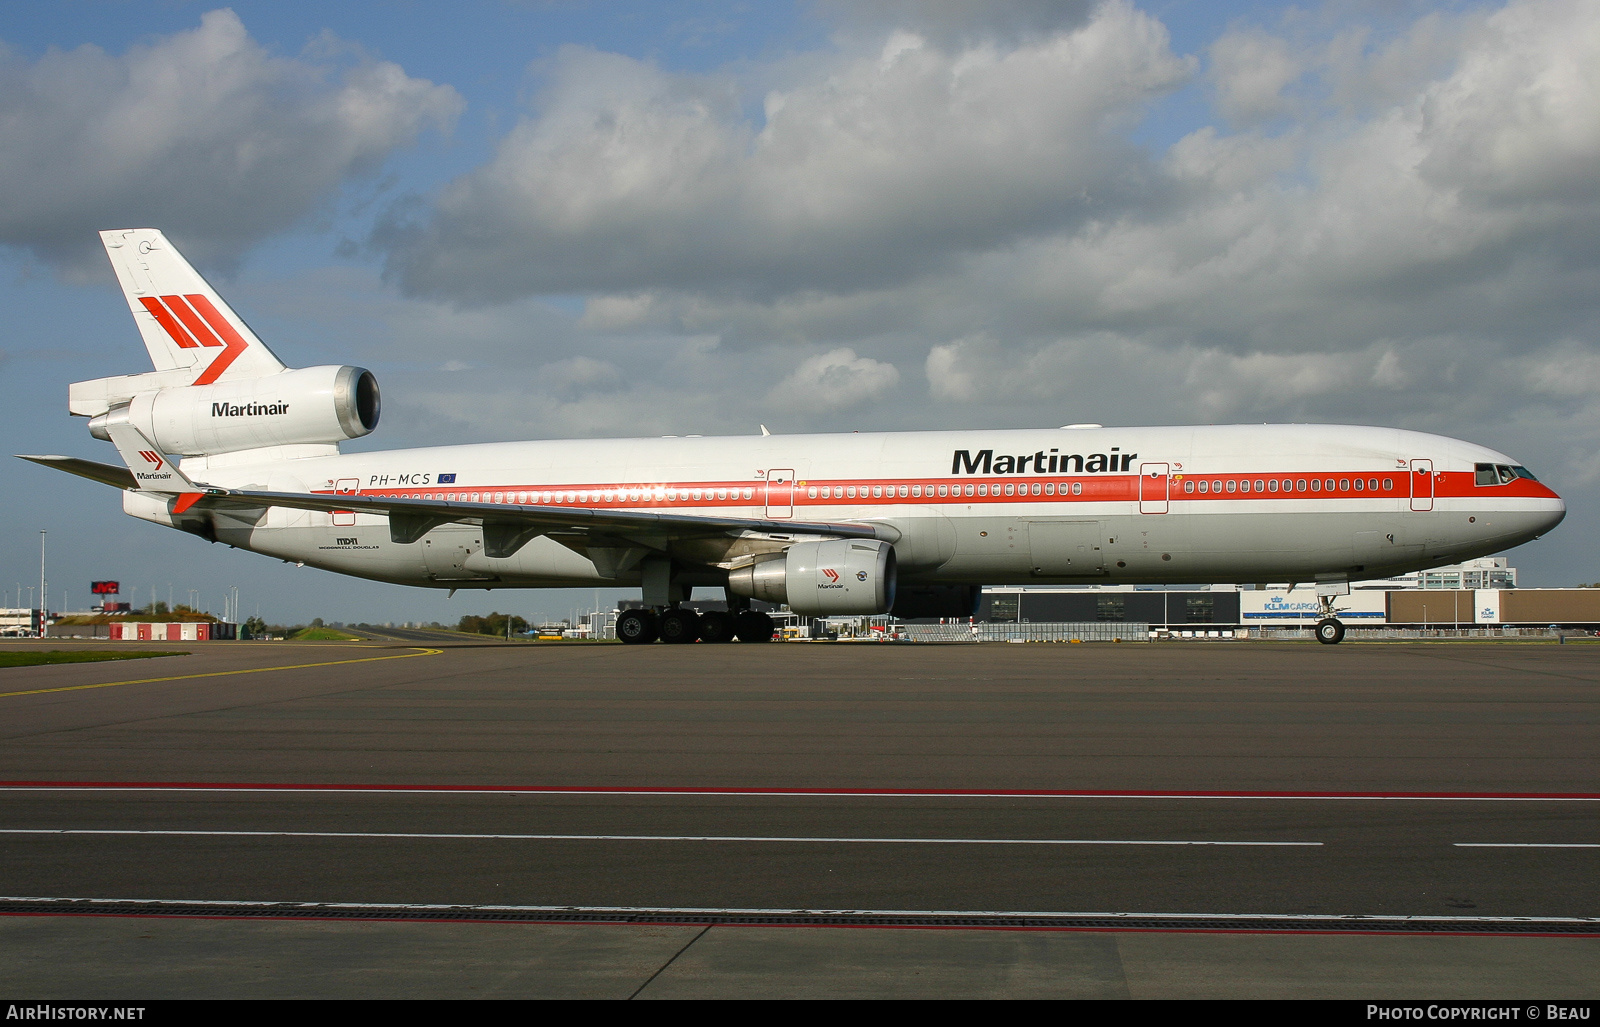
{"type": "Point", "coordinates": [223, 673]}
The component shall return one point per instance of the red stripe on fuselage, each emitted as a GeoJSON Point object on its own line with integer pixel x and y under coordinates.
{"type": "Point", "coordinates": [1103, 489]}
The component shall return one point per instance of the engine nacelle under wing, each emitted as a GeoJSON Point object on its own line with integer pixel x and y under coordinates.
{"type": "Point", "coordinates": [308, 406]}
{"type": "Point", "coordinates": [833, 577]}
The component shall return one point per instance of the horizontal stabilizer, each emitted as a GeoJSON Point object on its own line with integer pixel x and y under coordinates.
{"type": "Point", "coordinates": [106, 474]}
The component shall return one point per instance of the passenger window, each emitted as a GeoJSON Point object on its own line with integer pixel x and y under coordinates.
{"type": "Point", "coordinates": [916, 491]}
{"type": "Point", "coordinates": [544, 498]}
{"type": "Point", "coordinates": [1344, 484]}
{"type": "Point", "coordinates": [1260, 485]}
{"type": "Point", "coordinates": [905, 490]}
{"type": "Point", "coordinates": [1372, 484]}
{"type": "Point", "coordinates": [1230, 485]}
{"type": "Point", "coordinates": [1049, 488]}
{"type": "Point", "coordinates": [1216, 486]}
{"type": "Point", "coordinates": [1077, 488]}
{"type": "Point", "coordinates": [877, 492]}
{"type": "Point", "coordinates": [969, 490]}
{"type": "Point", "coordinates": [1358, 485]}
{"type": "Point", "coordinates": [811, 493]}
{"type": "Point", "coordinates": [1388, 484]}
{"type": "Point", "coordinates": [1036, 488]}
{"type": "Point", "coordinates": [851, 491]}
{"type": "Point", "coordinates": [983, 490]}
{"type": "Point", "coordinates": [1204, 486]}
{"type": "Point", "coordinates": [1272, 484]}
{"type": "Point", "coordinates": [1011, 490]}
{"type": "Point", "coordinates": [944, 490]}
{"type": "Point", "coordinates": [1188, 486]}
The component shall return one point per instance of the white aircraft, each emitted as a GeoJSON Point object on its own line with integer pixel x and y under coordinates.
{"type": "Point", "coordinates": [910, 523]}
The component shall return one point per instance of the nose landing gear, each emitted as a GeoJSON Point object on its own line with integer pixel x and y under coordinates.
{"type": "Point", "coordinates": [1330, 631]}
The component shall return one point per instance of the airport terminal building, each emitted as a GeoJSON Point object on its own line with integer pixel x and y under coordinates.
{"type": "Point", "coordinates": [1475, 594]}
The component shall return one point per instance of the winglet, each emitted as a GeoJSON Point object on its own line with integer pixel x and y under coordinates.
{"type": "Point", "coordinates": [153, 470]}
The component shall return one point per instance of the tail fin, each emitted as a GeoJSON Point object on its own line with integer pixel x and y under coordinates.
{"type": "Point", "coordinates": [185, 324]}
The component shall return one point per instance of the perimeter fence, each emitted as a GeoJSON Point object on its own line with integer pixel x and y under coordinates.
{"type": "Point", "coordinates": [1065, 631]}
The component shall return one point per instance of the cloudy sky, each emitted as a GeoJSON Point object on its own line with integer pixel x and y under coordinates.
{"type": "Point", "coordinates": [563, 219]}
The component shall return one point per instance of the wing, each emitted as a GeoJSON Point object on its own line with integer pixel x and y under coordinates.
{"type": "Point", "coordinates": [507, 528]}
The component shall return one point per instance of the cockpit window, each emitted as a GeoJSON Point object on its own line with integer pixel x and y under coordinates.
{"type": "Point", "coordinates": [1501, 474]}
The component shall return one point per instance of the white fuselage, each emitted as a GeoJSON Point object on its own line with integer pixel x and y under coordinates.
{"type": "Point", "coordinates": [1106, 505]}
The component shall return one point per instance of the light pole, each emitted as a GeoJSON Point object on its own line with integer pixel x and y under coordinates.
{"type": "Point", "coordinates": [44, 597]}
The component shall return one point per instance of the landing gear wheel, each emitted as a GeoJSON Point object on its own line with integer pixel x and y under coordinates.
{"type": "Point", "coordinates": [716, 626]}
{"type": "Point", "coordinates": [637, 627]}
{"type": "Point", "coordinates": [1330, 631]}
{"type": "Point", "coordinates": [680, 626]}
{"type": "Point", "coordinates": [753, 626]}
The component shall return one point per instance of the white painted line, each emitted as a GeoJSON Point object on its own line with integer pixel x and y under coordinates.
{"type": "Point", "coordinates": [631, 837]}
{"type": "Point", "coordinates": [760, 793]}
{"type": "Point", "coordinates": [763, 911]}
{"type": "Point", "coordinates": [1527, 845]}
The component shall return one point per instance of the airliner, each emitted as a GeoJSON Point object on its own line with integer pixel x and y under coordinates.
{"type": "Point", "coordinates": [223, 441]}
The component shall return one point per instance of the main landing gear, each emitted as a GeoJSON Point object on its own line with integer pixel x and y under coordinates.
{"type": "Point", "coordinates": [678, 624]}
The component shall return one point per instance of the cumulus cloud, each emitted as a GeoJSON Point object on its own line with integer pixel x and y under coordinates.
{"type": "Point", "coordinates": [1250, 71]}
{"type": "Point", "coordinates": [835, 380]}
{"type": "Point", "coordinates": [880, 166]}
{"type": "Point", "coordinates": [203, 133]}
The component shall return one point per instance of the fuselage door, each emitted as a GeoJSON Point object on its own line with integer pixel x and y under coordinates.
{"type": "Point", "coordinates": [780, 492]}
{"type": "Point", "coordinates": [1422, 485]}
{"type": "Point", "coordinates": [1153, 482]}
{"type": "Point", "coordinates": [346, 487]}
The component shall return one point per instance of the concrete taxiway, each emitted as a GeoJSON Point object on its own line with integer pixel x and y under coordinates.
{"type": "Point", "coordinates": [1447, 790]}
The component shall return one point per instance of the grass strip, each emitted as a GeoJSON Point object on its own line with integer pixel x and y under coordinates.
{"type": "Point", "coordinates": [13, 658]}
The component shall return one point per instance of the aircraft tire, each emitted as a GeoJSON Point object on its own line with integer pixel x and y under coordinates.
{"type": "Point", "coordinates": [753, 626]}
{"type": "Point", "coordinates": [716, 626]}
{"type": "Point", "coordinates": [680, 626]}
{"type": "Point", "coordinates": [1330, 631]}
{"type": "Point", "coordinates": [637, 627]}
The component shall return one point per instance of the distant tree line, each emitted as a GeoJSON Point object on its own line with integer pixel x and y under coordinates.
{"type": "Point", "coordinates": [493, 624]}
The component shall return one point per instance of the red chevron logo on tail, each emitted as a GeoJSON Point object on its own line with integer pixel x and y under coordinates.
{"type": "Point", "coordinates": [152, 457]}
{"type": "Point", "coordinates": [193, 321]}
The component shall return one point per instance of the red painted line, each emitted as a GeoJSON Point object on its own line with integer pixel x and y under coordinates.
{"type": "Point", "coordinates": [1023, 793]}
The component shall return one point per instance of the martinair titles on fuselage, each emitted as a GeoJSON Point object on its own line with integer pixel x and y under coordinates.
{"type": "Point", "coordinates": [1053, 462]}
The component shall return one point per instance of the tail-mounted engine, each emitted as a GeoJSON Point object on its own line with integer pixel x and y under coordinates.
{"type": "Point", "coordinates": [313, 405]}
{"type": "Point", "coordinates": [836, 577]}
